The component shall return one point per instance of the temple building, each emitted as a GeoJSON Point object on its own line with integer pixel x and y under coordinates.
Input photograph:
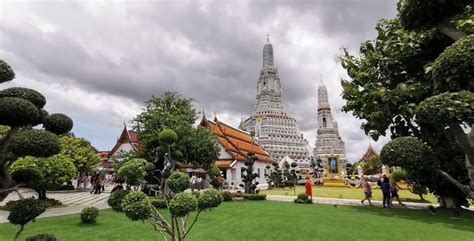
{"type": "Point", "coordinates": [234, 146]}
{"type": "Point", "coordinates": [127, 141]}
{"type": "Point", "coordinates": [269, 122]}
{"type": "Point", "coordinates": [329, 146]}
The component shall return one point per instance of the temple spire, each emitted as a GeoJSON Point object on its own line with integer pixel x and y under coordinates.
{"type": "Point", "coordinates": [268, 53]}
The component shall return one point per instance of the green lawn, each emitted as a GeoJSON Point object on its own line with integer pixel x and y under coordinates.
{"type": "Point", "coordinates": [348, 193]}
{"type": "Point", "coordinates": [270, 220]}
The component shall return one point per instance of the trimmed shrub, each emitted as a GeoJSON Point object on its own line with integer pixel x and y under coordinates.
{"type": "Point", "coordinates": [89, 214]}
{"type": "Point", "coordinates": [28, 94]}
{"type": "Point", "coordinates": [399, 174]}
{"type": "Point", "coordinates": [116, 198]}
{"type": "Point", "coordinates": [168, 136]}
{"type": "Point", "coordinates": [254, 196]}
{"type": "Point", "coordinates": [182, 204]}
{"type": "Point", "coordinates": [227, 196]}
{"type": "Point", "coordinates": [26, 210]}
{"type": "Point", "coordinates": [178, 182]}
{"type": "Point", "coordinates": [303, 199]}
{"type": "Point", "coordinates": [6, 72]}
{"type": "Point", "coordinates": [196, 193]}
{"type": "Point", "coordinates": [136, 206]}
{"type": "Point", "coordinates": [209, 198]}
{"type": "Point", "coordinates": [38, 143]}
{"type": "Point", "coordinates": [158, 203]}
{"type": "Point", "coordinates": [17, 112]}
{"type": "Point", "coordinates": [42, 237]}
{"type": "Point", "coordinates": [58, 123]}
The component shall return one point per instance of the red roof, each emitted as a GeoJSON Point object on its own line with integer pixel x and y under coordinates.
{"type": "Point", "coordinates": [369, 154]}
{"type": "Point", "coordinates": [108, 164]}
{"type": "Point", "coordinates": [236, 142]}
{"type": "Point", "coordinates": [127, 136]}
{"type": "Point", "coordinates": [133, 136]}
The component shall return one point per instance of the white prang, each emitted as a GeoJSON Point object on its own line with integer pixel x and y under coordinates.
{"type": "Point", "coordinates": [269, 122]}
{"type": "Point", "coordinates": [328, 140]}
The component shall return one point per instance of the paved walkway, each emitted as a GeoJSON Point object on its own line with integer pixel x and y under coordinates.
{"type": "Point", "coordinates": [74, 200]}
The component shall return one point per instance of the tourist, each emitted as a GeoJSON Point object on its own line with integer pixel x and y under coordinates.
{"type": "Point", "coordinates": [93, 182]}
{"type": "Point", "coordinates": [309, 188]}
{"type": "Point", "coordinates": [367, 191]}
{"type": "Point", "coordinates": [199, 183]}
{"type": "Point", "coordinates": [394, 192]}
{"type": "Point", "coordinates": [79, 180]}
{"type": "Point", "coordinates": [98, 184]}
{"type": "Point", "coordinates": [385, 186]}
{"type": "Point", "coordinates": [193, 183]}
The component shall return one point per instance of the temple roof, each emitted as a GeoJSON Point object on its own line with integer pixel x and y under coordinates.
{"type": "Point", "coordinates": [369, 154]}
{"type": "Point", "coordinates": [126, 137]}
{"type": "Point", "coordinates": [236, 142]}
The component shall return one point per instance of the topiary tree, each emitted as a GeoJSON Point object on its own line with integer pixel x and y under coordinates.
{"type": "Point", "coordinates": [115, 199]}
{"type": "Point", "coordinates": [25, 211]}
{"type": "Point", "coordinates": [248, 176]}
{"type": "Point", "coordinates": [43, 173]}
{"type": "Point", "coordinates": [214, 176]}
{"type": "Point", "coordinates": [133, 172]}
{"type": "Point", "coordinates": [20, 110]}
{"type": "Point", "coordinates": [137, 206]}
{"type": "Point", "coordinates": [415, 79]}
{"type": "Point", "coordinates": [83, 154]}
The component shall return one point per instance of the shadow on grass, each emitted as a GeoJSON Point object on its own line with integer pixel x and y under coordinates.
{"type": "Point", "coordinates": [442, 216]}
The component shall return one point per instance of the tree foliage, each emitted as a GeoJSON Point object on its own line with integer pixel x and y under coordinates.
{"type": "Point", "coordinates": [53, 171]}
{"type": "Point", "coordinates": [20, 110]}
{"type": "Point", "coordinates": [80, 151]}
{"type": "Point", "coordinates": [25, 211]}
{"type": "Point", "coordinates": [133, 171]}
{"type": "Point", "coordinates": [58, 123]}
{"type": "Point", "coordinates": [397, 84]}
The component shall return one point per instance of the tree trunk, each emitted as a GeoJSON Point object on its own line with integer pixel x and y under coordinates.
{"type": "Point", "coordinates": [447, 202]}
{"type": "Point", "coordinates": [41, 193]}
{"type": "Point", "coordinates": [6, 182]}
{"type": "Point", "coordinates": [22, 227]}
{"type": "Point", "coordinates": [421, 197]}
{"type": "Point", "coordinates": [463, 141]}
{"type": "Point", "coordinates": [448, 29]}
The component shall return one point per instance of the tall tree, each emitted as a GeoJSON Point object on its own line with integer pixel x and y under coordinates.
{"type": "Point", "coordinates": [20, 110]}
{"type": "Point", "coordinates": [399, 79]}
{"type": "Point", "coordinates": [80, 151]}
{"type": "Point", "coordinates": [195, 145]}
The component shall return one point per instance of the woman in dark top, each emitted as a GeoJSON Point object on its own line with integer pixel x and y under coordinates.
{"type": "Point", "coordinates": [385, 186]}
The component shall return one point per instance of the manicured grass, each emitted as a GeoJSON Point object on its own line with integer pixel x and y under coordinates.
{"type": "Point", "coordinates": [270, 220]}
{"type": "Point", "coordinates": [348, 193]}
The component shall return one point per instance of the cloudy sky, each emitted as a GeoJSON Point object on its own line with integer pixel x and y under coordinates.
{"type": "Point", "coordinates": [98, 61]}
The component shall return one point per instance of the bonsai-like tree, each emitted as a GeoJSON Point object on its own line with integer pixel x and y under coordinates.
{"type": "Point", "coordinates": [20, 110]}
{"type": "Point", "coordinates": [137, 206]}
{"type": "Point", "coordinates": [83, 154]}
{"type": "Point", "coordinates": [248, 176]}
{"type": "Point", "coordinates": [43, 173]}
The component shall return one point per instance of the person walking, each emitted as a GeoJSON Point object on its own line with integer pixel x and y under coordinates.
{"type": "Point", "coordinates": [193, 183]}
{"type": "Point", "coordinates": [309, 188]}
{"type": "Point", "coordinates": [394, 192]}
{"type": "Point", "coordinates": [385, 187]}
{"type": "Point", "coordinates": [98, 184]}
{"type": "Point", "coordinates": [199, 183]}
{"type": "Point", "coordinates": [367, 191]}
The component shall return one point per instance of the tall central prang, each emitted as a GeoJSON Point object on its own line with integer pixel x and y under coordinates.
{"type": "Point", "coordinates": [269, 122]}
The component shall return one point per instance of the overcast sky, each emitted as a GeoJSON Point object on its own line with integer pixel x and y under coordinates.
{"type": "Point", "coordinates": [98, 61]}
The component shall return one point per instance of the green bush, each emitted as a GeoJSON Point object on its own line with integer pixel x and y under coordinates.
{"type": "Point", "coordinates": [137, 206]}
{"type": "Point", "coordinates": [38, 143]}
{"type": "Point", "coordinates": [42, 237]}
{"type": "Point", "coordinates": [158, 203]}
{"type": "Point", "coordinates": [303, 199]}
{"type": "Point", "coordinates": [227, 196]}
{"type": "Point", "coordinates": [26, 210]}
{"type": "Point", "coordinates": [168, 136]}
{"type": "Point", "coordinates": [254, 196]}
{"type": "Point", "coordinates": [58, 123]}
{"type": "Point", "coordinates": [196, 193]}
{"type": "Point", "coordinates": [399, 174]}
{"type": "Point", "coordinates": [49, 203]}
{"type": "Point", "coordinates": [182, 204]}
{"type": "Point", "coordinates": [89, 214]}
{"type": "Point", "coordinates": [116, 198]}
{"type": "Point", "coordinates": [17, 112]}
{"type": "Point", "coordinates": [209, 198]}
{"type": "Point", "coordinates": [178, 182]}
{"type": "Point", "coordinates": [6, 72]}
{"type": "Point", "coordinates": [28, 94]}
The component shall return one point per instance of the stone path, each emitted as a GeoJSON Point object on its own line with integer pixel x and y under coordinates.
{"type": "Point", "coordinates": [74, 200]}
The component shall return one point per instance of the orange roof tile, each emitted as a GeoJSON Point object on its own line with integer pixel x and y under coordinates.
{"type": "Point", "coordinates": [236, 142]}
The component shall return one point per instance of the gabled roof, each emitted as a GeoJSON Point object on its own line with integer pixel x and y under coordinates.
{"type": "Point", "coordinates": [369, 154]}
{"type": "Point", "coordinates": [126, 137]}
{"type": "Point", "coordinates": [236, 142]}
